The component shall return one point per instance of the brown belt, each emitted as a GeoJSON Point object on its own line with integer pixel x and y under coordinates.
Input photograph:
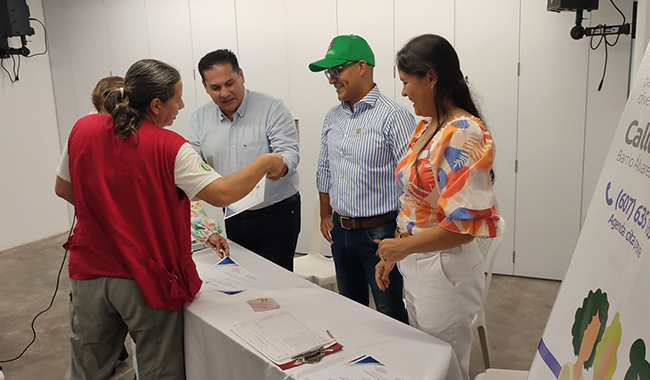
{"type": "Point", "coordinates": [367, 222]}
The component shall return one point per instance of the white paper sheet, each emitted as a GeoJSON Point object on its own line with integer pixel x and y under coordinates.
{"type": "Point", "coordinates": [280, 337]}
{"type": "Point", "coordinates": [363, 368]}
{"type": "Point", "coordinates": [255, 197]}
{"type": "Point", "coordinates": [228, 276]}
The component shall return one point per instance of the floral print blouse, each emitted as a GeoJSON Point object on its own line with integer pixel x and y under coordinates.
{"type": "Point", "coordinates": [452, 186]}
{"type": "Point", "coordinates": [202, 226]}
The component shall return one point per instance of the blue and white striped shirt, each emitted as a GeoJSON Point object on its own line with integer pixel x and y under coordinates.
{"type": "Point", "coordinates": [359, 153]}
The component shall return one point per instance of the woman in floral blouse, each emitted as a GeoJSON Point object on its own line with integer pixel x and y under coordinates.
{"type": "Point", "coordinates": [448, 198]}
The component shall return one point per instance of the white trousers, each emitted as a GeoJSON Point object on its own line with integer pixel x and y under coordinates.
{"type": "Point", "coordinates": [443, 291]}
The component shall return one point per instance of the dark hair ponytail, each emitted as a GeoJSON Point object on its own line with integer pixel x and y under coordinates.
{"type": "Point", "coordinates": [433, 52]}
{"type": "Point", "coordinates": [145, 81]}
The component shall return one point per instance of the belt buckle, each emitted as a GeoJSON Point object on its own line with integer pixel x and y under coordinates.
{"type": "Point", "coordinates": [345, 219]}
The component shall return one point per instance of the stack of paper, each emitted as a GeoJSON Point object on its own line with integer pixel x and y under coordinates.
{"type": "Point", "coordinates": [229, 277]}
{"type": "Point", "coordinates": [363, 368]}
{"type": "Point", "coordinates": [282, 338]}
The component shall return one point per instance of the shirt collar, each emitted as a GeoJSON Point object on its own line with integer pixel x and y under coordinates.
{"type": "Point", "coordinates": [241, 111]}
{"type": "Point", "coordinates": [370, 99]}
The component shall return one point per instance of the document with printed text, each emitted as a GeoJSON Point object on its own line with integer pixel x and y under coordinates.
{"type": "Point", "coordinates": [228, 276]}
{"type": "Point", "coordinates": [281, 337]}
{"type": "Point", "coordinates": [255, 197]}
{"type": "Point", "coordinates": [363, 368]}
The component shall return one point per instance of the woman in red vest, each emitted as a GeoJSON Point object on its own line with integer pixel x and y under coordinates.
{"type": "Point", "coordinates": [131, 181]}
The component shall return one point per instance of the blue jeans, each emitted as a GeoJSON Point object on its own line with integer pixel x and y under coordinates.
{"type": "Point", "coordinates": [354, 258]}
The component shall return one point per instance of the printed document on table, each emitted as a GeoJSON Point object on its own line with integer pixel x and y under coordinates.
{"type": "Point", "coordinates": [255, 197]}
{"type": "Point", "coordinates": [363, 368]}
{"type": "Point", "coordinates": [228, 276]}
{"type": "Point", "coordinates": [280, 336]}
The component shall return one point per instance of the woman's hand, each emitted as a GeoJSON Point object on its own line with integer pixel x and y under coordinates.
{"type": "Point", "coordinates": [219, 244]}
{"type": "Point", "coordinates": [430, 240]}
{"type": "Point", "coordinates": [391, 250]}
{"type": "Point", "coordinates": [382, 270]}
{"type": "Point", "coordinates": [276, 166]}
{"type": "Point", "coordinates": [276, 177]}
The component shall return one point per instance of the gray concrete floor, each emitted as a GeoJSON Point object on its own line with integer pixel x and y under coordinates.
{"type": "Point", "coordinates": [516, 312]}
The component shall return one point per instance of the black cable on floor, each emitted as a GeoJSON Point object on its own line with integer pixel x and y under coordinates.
{"type": "Point", "coordinates": [56, 289]}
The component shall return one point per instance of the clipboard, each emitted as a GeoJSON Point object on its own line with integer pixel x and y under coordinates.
{"type": "Point", "coordinates": [278, 336]}
{"type": "Point", "coordinates": [310, 357]}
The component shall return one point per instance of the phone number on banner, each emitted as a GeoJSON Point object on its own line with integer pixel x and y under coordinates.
{"type": "Point", "coordinates": [633, 212]}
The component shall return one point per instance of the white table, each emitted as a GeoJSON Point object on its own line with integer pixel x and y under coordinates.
{"type": "Point", "coordinates": [213, 351]}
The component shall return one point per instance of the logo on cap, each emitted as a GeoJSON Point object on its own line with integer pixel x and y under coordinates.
{"type": "Point", "coordinates": [330, 48]}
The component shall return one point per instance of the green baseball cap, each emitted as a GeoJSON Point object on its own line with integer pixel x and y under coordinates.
{"type": "Point", "coordinates": [343, 49]}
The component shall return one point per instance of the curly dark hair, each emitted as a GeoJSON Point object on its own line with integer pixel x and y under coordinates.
{"type": "Point", "coordinates": [595, 303]}
{"type": "Point", "coordinates": [639, 366]}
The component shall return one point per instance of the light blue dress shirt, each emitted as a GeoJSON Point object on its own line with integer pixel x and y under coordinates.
{"type": "Point", "coordinates": [262, 124]}
{"type": "Point", "coordinates": [359, 153]}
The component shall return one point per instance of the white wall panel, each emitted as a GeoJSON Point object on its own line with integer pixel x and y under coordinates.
{"type": "Point", "coordinates": [214, 26]}
{"type": "Point", "coordinates": [29, 149]}
{"type": "Point", "coordinates": [551, 122]}
{"type": "Point", "coordinates": [372, 20]}
{"type": "Point", "coordinates": [88, 50]}
{"type": "Point", "coordinates": [61, 66]}
{"type": "Point", "coordinates": [262, 34]}
{"type": "Point", "coordinates": [309, 32]}
{"type": "Point", "coordinates": [126, 31]}
{"type": "Point", "coordinates": [604, 107]}
{"type": "Point", "coordinates": [435, 17]}
{"type": "Point", "coordinates": [170, 40]}
{"type": "Point", "coordinates": [488, 54]}
{"type": "Point", "coordinates": [642, 35]}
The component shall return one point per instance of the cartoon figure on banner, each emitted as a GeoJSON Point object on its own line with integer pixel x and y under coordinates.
{"type": "Point", "coordinates": [639, 366]}
{"type": "Point", "coordinates": [588, 330]}
{"type": "Point", "coordinates": [605, 360]}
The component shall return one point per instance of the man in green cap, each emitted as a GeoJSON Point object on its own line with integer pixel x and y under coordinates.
{"type": "Point", "coordinates": [363, 139]}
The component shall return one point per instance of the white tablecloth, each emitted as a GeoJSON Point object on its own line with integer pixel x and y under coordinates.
{"type": "Point", "coordinates": [213, 351]}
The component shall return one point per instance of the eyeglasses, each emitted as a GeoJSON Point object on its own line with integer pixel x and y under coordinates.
{"type": "Point", "coordinates": [334, 72]}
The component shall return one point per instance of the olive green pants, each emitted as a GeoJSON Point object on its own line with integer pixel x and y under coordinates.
{"type": "Point", "coordinates": [102, 311]}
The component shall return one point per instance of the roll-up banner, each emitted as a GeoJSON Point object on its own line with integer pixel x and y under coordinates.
{"type": "Point", "coordinates": [599, 327]}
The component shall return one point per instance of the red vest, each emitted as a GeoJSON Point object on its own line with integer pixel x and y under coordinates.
{"type": "Point", "coordinates": [132, 220]}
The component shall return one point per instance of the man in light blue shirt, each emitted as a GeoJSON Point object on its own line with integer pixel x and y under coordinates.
{"type": "Point", "coordinates": [363, 139]}
{"type": "Point", "coordinates": [230, 132]}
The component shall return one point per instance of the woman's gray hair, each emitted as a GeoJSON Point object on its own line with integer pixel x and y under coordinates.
{"type": "Point", "coordinates": [145, 81]}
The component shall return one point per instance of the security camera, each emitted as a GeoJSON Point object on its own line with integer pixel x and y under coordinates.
{"type": "Point", "coordinates": [579, 6]}
{"type": "Point", "coordinates": [571, 5]}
